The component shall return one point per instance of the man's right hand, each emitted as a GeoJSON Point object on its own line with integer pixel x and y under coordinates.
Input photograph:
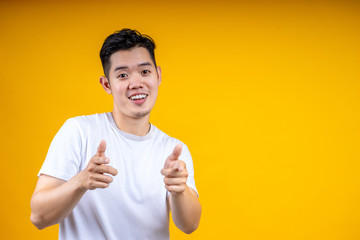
{"type": "Point", "coordinates": [93, 176]}
{"type": "Point", "coordinates": [54, 199]}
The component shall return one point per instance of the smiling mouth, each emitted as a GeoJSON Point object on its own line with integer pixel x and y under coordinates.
{"type": "Point", "coordinates": [138, 96]}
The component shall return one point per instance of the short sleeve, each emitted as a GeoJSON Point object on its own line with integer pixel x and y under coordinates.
{"type": "Point", "coordinates": [64, 156]}
{"type": "Point", "coordinates": [186, 157]}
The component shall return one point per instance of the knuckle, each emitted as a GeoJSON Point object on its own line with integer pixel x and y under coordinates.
{"type": "Point", "coordinates": [97, 160]}
{"type": "Point", "coordinates": [94, 160]}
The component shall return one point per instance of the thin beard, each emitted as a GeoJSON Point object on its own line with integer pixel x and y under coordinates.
{"type": "Point", "coordinates": [141, 114]}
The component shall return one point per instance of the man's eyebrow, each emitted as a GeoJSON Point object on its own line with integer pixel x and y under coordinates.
{"type": "Point", "coordinates": [120, 68]}
{"type": "Point", "coordinates": [126, 67]}
{"type": "Point", "coordinates": [145, 64]}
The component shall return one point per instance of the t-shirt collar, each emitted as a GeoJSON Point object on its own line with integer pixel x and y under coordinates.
{"type": "Point", "coordinates": [129, 135]}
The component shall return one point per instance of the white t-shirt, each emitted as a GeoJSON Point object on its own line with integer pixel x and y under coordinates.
{"type": "Point", "coordinates": [134, 206]}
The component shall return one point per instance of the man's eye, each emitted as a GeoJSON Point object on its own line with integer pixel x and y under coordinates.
{"type": "Point", "coordinates": [145, 72]}
{"type": "Point", "coordinates": [123, 75]}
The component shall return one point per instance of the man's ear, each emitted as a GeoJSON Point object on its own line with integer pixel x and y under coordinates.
{"type": "Point", "coordinates": [159, 73]}
{"type": "Point", "coordinates": [105, 83]}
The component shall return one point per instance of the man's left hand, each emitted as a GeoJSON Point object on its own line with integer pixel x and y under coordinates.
{"type": "Point", "coordinates": [174, 172]}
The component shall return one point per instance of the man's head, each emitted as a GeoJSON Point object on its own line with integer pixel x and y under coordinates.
{"type": "Point", "coordinates": [129, 65]}
{"type": "Point", "coordinates": [124, 39]}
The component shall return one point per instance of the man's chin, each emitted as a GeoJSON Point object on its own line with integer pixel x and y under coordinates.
{"type": "Point", "coordinates": [140, 114]}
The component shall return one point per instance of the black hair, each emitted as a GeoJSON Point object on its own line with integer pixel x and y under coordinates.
{"type": "Point", "coordinates": [124, 39]}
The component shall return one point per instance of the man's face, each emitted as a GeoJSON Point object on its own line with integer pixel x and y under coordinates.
{"type": "Point", "coordinates": [134, 82]}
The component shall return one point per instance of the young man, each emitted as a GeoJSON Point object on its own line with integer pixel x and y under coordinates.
{"type": "Point", "coordinates": [115, 175]}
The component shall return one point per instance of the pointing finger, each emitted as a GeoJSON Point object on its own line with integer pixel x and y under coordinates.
{"type": "Point", "coordinates": [173, 173]}
{"type": "Point", "coordinates": [179, 165]}
{"type": "Point", "coordinates": [100, 160]}
{"type": "Point", "coordinates": [107, 169]}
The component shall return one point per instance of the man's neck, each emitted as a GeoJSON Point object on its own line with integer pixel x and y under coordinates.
{"type": "Point", "coordinates": [138, 127]}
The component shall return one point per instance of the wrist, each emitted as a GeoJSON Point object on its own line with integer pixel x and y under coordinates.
{"type": "Point", "coordinates": [180, 194]}
{"type": "Point", "coordinates": [78, 181]}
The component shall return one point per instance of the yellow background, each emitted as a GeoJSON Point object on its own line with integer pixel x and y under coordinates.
{"type": "Point", "coordinates": [265, 94]}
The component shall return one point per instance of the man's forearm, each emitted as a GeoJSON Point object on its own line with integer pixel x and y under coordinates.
{"type": "Point", "coordinates": [54, 199]}
{"type": "Point", "coordinates": [186, 210]}
{"type": "Point", "coordinates": [51, 205]}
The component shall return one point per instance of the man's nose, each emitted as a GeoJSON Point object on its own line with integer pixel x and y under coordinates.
{"type": "Point", "coordinates": [136, 81]}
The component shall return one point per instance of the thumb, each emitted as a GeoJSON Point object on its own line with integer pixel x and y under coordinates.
{"type": "Point", "coordinates": [173, 156]}
{"type": "Point", "coordinates": [101, 149]}
{"type": "Point", "coordinates": [176, 153]}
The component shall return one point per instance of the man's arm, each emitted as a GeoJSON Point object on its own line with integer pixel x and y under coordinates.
{"type": "Point", "coordinates": [183, 200]}
{"type": "Point", "coordinates": [54, 199]}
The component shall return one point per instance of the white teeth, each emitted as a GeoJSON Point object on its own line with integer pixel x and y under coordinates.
{"type": "Point", "coordinates": [140, 96]}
